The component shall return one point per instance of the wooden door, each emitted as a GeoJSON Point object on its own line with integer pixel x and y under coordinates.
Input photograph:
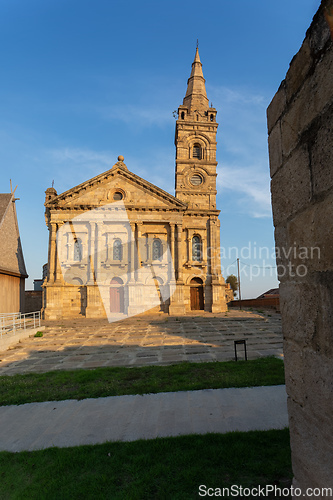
{"type": "Point", "coordinates": [197, 298]}
{"type": "Point", "coordinates": [116, 299]}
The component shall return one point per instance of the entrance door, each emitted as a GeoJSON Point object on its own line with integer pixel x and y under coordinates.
{"type": "Point", "coordinates": [197, 299]}
{"type": "Point", "coordinates": [116, 296]}
{"type": "Point", "coordinates": [197, 294]}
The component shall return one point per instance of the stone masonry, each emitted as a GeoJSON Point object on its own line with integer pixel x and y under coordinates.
{"type": "Point", "coordinates": [300, 121]}
{"type": "Point", "coordinates": [120, 245]}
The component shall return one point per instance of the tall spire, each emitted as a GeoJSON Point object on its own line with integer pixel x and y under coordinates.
{"type": "Point", "coordinates": [196, 97]}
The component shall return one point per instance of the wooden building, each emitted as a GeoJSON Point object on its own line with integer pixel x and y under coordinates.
{"type": "Point", "coordinates": [12, 267]}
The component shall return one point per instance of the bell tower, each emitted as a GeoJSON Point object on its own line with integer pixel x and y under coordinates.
{"type": "Point", "coordinates": [200, 284]}
{"type": "Point", "coordinates": [195, 142]}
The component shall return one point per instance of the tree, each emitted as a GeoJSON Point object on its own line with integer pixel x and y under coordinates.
{"type": "Point", "coordinates": [233, 282]}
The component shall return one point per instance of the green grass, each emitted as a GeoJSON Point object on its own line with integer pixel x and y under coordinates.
{"type": "Point", "coordinates": [164, 468]}
{"type": "Point", "coordinates": [101, 382]}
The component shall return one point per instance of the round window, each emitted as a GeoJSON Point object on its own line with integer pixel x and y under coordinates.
{"type": "Point", "coordinates": [117, 196]}
{"type": "Point", "coordinates": [196, 180]}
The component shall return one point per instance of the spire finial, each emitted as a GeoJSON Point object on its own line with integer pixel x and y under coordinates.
{"type": "Point", "coordinates": [196, 96]}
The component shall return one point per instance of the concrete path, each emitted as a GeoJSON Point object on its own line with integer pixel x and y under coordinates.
{"type": "Point", "coordinates": [144, 340]}
{"type": "Point", "coordinates": [37, 426]}
{"type": "Point", "coordinates": [11, 338]}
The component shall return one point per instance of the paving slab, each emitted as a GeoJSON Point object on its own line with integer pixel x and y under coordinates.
{"type": "Point", "coordinates": [36, 426]}
{"type": "Point", "coordinates": [144, 340]}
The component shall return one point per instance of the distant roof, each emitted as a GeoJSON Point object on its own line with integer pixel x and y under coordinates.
{"type": "Point", "coordinates": [272, 291]}
{"type": "Point", "coordinates": [11, 254]}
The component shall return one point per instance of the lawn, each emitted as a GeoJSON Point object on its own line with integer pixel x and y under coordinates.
{"type": "Point", "coordinates": [102, 382]}
{"type": "Point", "coordinates": [164, 468]}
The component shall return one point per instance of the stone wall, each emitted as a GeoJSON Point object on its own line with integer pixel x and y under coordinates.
{"type": "Point", "coordinates": [271, 303]}
{"type": "Point", "coordinates": [300, 126]}
{"type": "Point", "coordinates": [33, 300]}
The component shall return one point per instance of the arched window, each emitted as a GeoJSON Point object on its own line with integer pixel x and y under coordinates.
{"type": "Point", "coordinates": [196, 248]}
{"type": "Point", "coordinates": [157, 249]}
{"type": "Point", "coordinates": [182, 115]}
{"type": "Point", "coordinates": [197, 151]}
{"type": "Point", "coordinates": [211, 118]}
{"type": "Point", "coordinates": [117, 250]}
{"type": "Point", "coordinates": [78, 250]}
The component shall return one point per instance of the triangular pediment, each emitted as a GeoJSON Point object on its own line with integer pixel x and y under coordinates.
{"type": "Point", "coordinates": [106, 187]}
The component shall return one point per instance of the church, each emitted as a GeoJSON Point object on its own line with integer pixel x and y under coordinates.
{"type": "Point", "coordinates": [120, 246]}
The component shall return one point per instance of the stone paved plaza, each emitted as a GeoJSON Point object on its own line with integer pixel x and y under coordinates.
{"type": "Point", "coordinates": [145, 340]}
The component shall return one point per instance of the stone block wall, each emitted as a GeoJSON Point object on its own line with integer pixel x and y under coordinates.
{"type": "Point", "coordinates": [33, 300]}
{"type": "Point", "coordinates": [300, 127]}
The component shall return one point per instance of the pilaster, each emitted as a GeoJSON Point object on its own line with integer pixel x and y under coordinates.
{"type": "Point", "coordinates": [177, 305]}
{"type": "Point", "coordinates": [172, 251]}
{"type": "Point", "coordinates": [91, 256]}
{"type": "Point", "coordinates": [131, 239]}
{"type": "Point", "coordinates": [180, 257]}
{"type": "Point", "coordinates": [95, 307]}
{"type": "Point", "coordinates": [53, 239]}
{"type": "Point", "coordinates": [58, 274]}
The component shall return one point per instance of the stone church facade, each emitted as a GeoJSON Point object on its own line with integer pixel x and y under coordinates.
{"type": "Point", "coordinates": [119, 245]}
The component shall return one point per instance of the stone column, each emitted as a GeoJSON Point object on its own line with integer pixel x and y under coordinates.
{"type": "Point", "coordinates": [215, 259]}
{"type": "Point", "coordinates": [139, 251]}
{"type": "Point", "coordinates": [203, 249]}
{"type": "Point", "coordinates": [189, 244]}
{"type": "Point", "coordinates": [94, 308]}
{"type": "Point", "coordinates": [91, 250]}
{"type": "Point", "coordinates": [180, 258]}
{"type": "Point", "coordinates": [53, 291]}
{"type": "Point", "coordinates": [172, 251]}
{"type": "Point", "coordinates": [59, 277]}
{"type": "Point", "coordinates": [98, 246]}
{"type": "Point", "coordinates": [132, 252]}
{"type": "Point", "coordinates": [148, 248]}
{"type": "Point", "coordinates": [135, 286]}
{"type": "Point", "coordinates": [177, 305]}
{"type": "Point", "coordinates": [217, 282]}
{"type": "Point", "coordinates": [139, 243]}
{"type": "Point", "coordinates": [53, 237]}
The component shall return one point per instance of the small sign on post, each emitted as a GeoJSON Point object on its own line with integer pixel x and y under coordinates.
{"type": "Point", "coordinates": [242, 341]}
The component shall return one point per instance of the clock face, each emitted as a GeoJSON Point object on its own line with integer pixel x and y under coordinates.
{"type": "Point", "coordinates": [196, 180]}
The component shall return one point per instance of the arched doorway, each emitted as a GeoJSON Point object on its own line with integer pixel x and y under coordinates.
{"type": "Point", "coordinates": [116, 295]}
{"type": "Point", "coordinates": [197, 294]}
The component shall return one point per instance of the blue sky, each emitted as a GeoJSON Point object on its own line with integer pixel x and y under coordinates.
{"type": "Point", "coordinates": [83, 82]}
